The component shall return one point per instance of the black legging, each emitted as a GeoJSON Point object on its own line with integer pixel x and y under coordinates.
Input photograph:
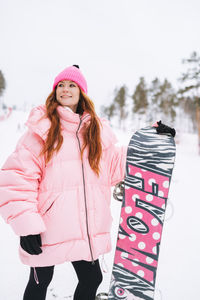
{"type": "Point", "coordinates": [89, 276]}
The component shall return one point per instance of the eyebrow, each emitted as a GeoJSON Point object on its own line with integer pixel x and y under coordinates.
{"type": "Point", "coordinates": [68, 80]}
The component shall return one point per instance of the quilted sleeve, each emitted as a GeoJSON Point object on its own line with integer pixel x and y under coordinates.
{"type": "Point", "coordinates": [117, 163]}
{"type": "Point", "coordinates": [20, 176]}
{"type": "Point", "coordinates": [115, 155]}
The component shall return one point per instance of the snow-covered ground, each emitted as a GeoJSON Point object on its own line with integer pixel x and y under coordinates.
{"type": "Point", "coordinates": [178, 274]}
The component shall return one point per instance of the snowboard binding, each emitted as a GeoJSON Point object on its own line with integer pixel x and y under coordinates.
{"type": "Point", "coordinates": [119, 191]}
{"type": "Point", "coordinates": [101, 296]}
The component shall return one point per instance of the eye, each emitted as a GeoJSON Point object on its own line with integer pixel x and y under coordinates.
{"type": "Point", "coordinates": [72, 85]}
{"type": "Point", "coordinates": [60, 84]}
{"type": "Point", "coordinates": [120, 293]}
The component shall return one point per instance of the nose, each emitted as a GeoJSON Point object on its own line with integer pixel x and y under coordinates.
{"type": "Point", "coordinates": [66, 88]}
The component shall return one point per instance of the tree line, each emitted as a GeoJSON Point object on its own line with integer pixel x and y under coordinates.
{"type": "Point", "coordinates": [160, 100]}
{"type": "Point", "coordinates": [157, 100]}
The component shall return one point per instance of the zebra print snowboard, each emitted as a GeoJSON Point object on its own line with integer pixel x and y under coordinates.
{"type": "Point", "coordinates": [149, 166]}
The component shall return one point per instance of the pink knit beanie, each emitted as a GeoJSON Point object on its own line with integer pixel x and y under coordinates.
{"type": "Point", "coordinates": [74, 74]}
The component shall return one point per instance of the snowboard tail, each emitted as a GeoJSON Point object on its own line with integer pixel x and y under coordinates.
{"type": "Point", "coordinates": [149, 166]}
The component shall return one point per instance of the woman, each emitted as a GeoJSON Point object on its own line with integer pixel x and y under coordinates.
{"type": "Point", "coordinates": [56, 187]}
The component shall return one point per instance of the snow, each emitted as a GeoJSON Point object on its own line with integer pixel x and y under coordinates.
{"type": "Point", "coordinates": [177, 275]}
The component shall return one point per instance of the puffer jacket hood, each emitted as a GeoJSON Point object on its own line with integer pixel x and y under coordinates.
{"type": "Point", "coordinates": [38, 123]}
{"type": "Point", "coordinates": [64, 201]}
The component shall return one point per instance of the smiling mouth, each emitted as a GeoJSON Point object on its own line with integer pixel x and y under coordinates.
{"type": "Point", "coordinates": [65, 96]}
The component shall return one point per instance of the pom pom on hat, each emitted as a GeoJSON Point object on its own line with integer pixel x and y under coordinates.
{"type": "Point", "coordinates": [77, 66]}
{"type": "Point", "coordinates": [72, 73]}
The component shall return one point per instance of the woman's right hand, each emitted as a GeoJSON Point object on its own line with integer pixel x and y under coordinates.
{"type": "Point", "coordinates": [31, 244]}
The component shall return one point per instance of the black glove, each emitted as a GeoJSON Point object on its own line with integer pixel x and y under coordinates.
{"type": "Point", "coordinates": [162, 128]}
{"type": "Point", "coordinates": [31, 244]}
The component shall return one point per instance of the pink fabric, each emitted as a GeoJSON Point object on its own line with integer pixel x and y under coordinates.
{"type": "Point", "coordinates": [74, 74]}
{"type": "Point", "coordinates": [49, 199]}
{"type": "Point", "coordinates": [155, 124]}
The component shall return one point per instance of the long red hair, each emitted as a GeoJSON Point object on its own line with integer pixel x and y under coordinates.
{"type": "Point", "coordinates": [92, 137]}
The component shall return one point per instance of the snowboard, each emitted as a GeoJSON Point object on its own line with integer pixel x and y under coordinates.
{"type": "Point", "coordinates": [149, 166]}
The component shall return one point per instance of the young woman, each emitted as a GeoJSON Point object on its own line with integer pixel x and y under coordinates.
{"type": "Point", "coordinates": [56, 187]}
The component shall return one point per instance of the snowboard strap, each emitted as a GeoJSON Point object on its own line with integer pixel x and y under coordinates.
{"type": "Point", "coordinates": [104, 265]}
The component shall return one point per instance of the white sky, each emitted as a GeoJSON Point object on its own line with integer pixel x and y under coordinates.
{"type": "Point", "coordinates": [114, 42]}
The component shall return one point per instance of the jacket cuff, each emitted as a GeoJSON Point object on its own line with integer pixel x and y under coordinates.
{"type": "Point", "coordinates": [27, 223]}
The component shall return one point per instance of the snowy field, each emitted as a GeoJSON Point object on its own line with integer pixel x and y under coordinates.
{"type": "Point", "coordinates": [178, 274]}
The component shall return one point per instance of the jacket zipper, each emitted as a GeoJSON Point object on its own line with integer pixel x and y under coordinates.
{"type": "Point", "coordinates": [84, 193]}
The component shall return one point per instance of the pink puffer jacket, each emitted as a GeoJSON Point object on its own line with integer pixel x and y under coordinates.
{"type": "Point", "coordinates": [64, 200]}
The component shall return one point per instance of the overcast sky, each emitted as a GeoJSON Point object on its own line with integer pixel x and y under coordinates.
{"type": "Point", "coordinates": [114, 42]}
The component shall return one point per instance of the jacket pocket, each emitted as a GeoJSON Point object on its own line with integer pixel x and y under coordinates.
{"type": "Point", "coordinates": [62, 219]}
{"type": "Point", "coordinates": [49, 208]}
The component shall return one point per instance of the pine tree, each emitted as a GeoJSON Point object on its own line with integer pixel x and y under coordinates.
{"type": "Point", "coordinates": [168, 100]}
{"type": "Point", "coordinates": [2, 83]}
{"type": "Point", "coordinates": [120, 104]}
{"type": "Point", "coordinates": [189, 108]}
{"type": "Point", "coordinates": [153, 96]}
{"type": "Point", "coordinates": [191, 79]}
{"type": "Point", "coordinates": [140, 97]}
{"type": "Point", "coordinates": [108, 111]}
{"type": "Point", "coordinates": [163, 99]}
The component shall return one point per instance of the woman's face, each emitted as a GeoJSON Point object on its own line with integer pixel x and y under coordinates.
{"type": "Point", "coordinates": [68, 94]}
